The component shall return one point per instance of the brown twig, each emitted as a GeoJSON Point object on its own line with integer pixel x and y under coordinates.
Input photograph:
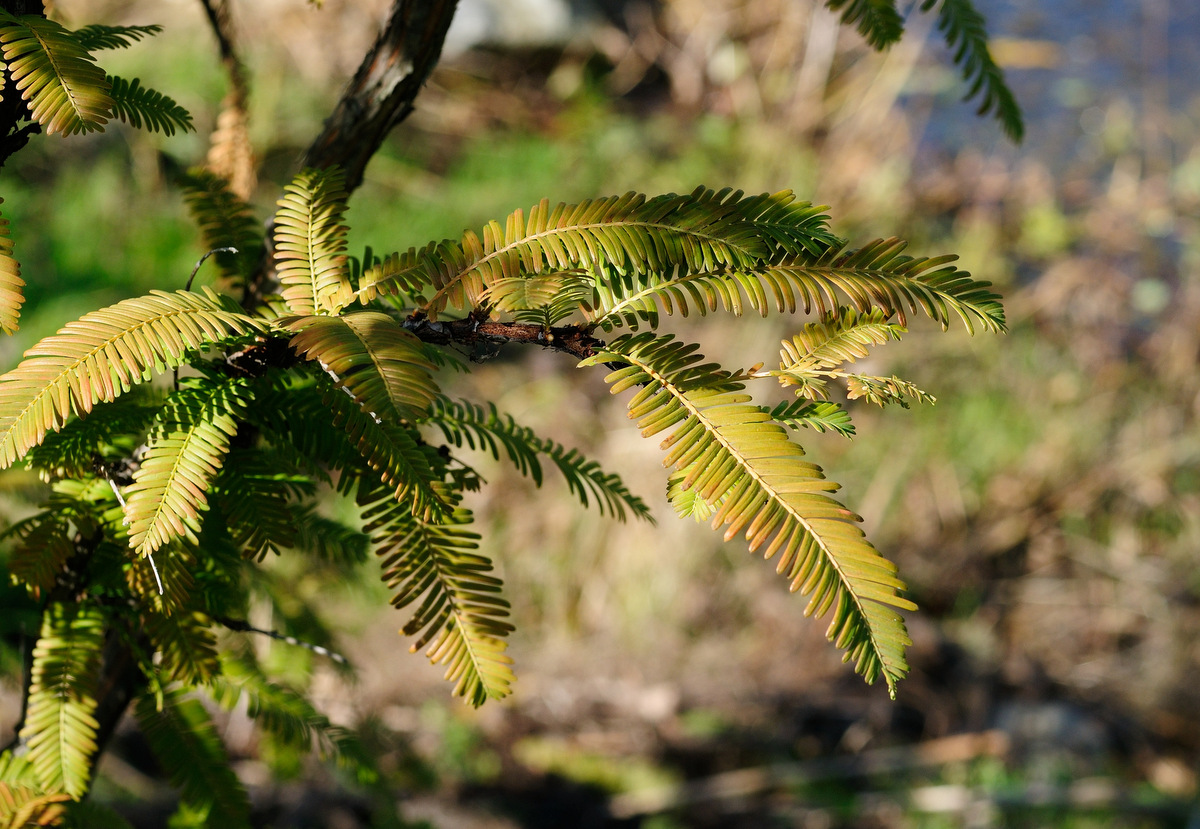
{"type": "Point", "coordinates": [382, 92]}
{"type": "Point", "coordinates": [572, 339]}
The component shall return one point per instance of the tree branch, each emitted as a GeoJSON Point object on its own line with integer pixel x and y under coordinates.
{"type": "Point", "coordinates": [572, 339]}
{"type": "Point", "coordinates": [382, 92]}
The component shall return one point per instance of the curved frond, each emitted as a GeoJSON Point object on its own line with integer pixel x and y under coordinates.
{"type": "Point", "coordinates": [702, 231]}
{"type": "Point", "coordinates": [60, 726]}
{"type": "Point", "coordinates": [103, 354]}
{"type": "Point", "coordinates": [44, 545]}
{"type": "Point", "coordinates": [176, 567]}
{"type": "Point", "coordinates": [110, 433]}
{"type": "Point", "coordinates": [293, 415]}
{"type": "Point", "coordinates": [547, 299]}
{"type": "Point", "coordinates": [821, 415]}
{"type": "Point", "coordinates": [966, 34]}
{"type": "Point", "coordinates": [396, 453]}
{"type": "Point", "coordinates": [458, 611]}
{"type": "Point", "coordinates": [185, 449]}
{"type": "Point", "coordinates": [187, 746]}
{"type": "Point", "coordinates": [225, 221]}
{"type": "Point", "coordinates": [838, 338]}
{"type": "Point", "coordinates": [877, 20]}
{"type": "Point", "coordinates": [686, 500]}
{"type": "Point", "coordinates": [254, 496]}
{"type": "Point", "coordinates": [11, 283]}
{"type": "Point", "coordinates": [140, 106]}
{"type": "Point", "coordinates": [24, 805]}
{"type": "Point", "coordinates": [326, 538]}
{"type": "Point", "coordinates": [65, 89]}
{"type": "Point", "coordinates": [878, 275]}
{"type": "Point", "coordinates": [884, 390]}
{"type": "Point", "coordinates": [186, 644]}
{"type": "Point", "coordinates": [372, 358]}
{"type": "Point", "coordinates": [738, 458]}
{"type": "Point", "coordinates": [404, 274]}
{"type": "Point", "coordinates": [310, 243]}
{"type": "Point", "coordinates": [290, 717]}
{"type": "Point", "coordinates": [95, 37]}
{"type": "Point", "coordinates": [463, 422]}
{"type": "Point", "coordinates": [812, 358]}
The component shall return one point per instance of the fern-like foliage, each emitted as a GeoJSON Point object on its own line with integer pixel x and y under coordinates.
{"type": "Point", "coordinates": [43, 548]}
{"type": "Point", "coordinates": [23, 801]}
{"type": "Point", "coordinates": [106, 436]}
{"type": "Point", "coordinates": [466, 423]}
{"type": "Point", "coordinates": [458, 610]}
{"type": "Point", "coordinates": [702, 231]}
{"type": "Point", "coordinates": [397, 454]}
{"type": "Point", "coordinates": [374, 360]}
{"type": "Point", "coordinates": [255, 501]}
{"type": "Point", "coordinates": [310, 243]}
{"type": "Point", "coordinates": [186, 646]}
{"type": "Point", "coordinates": [290, 718]}
{"type": "Point", "coordinates": [838, 338]}
{"type": "Point", "coordinates": [186, 448]}
{"type": "Point", "coordinates": [60, 728]}
{"type": "Point", "coordinates": [879, 275]}
{"type": "Point", "coordinates": [96, 37]}
{"type": "Point", "coordinates": [547, 299]}
{"type": "Point", "coordinates": [817, 353]}
{"type": "Point", "coordinates": [876, 20]}
{"type": "Point", "coordinates": [106, 352]}
{"type": "Point", "coordinates": [65, 89]}
{"type": "Point", "coordinates": [739, 459]}
{"type": "Point", "coordinates": [290, 394]}
{"type": "Point", "coordinates": [884, 390]}
{"type": "Point", "coordinates": [11, 296]}
{"type": "Point", "coordinates": [225, 221]}
{"type": "Point", "coordinates": [326, 539]}
{"type": "Point", "coordinates": [966, 34]}
{"type": "Point", "coordinates": [380, 384]}
{"type": "Point", "coordinates": [401, 277]}
{"type": "Point", "coordinates": [187, 746]}
{"type": "Point", "coordinates": [821, 415]}
{"type": "Point", "coordinates": [293, 414]}
{"type": "Point", "coordinates": [141, 107]}
{"type": "Point", "coordinates": [169, 591]}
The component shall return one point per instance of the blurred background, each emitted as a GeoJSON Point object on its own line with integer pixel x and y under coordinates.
{"type": "Point", "coordinates": [1045, 513]}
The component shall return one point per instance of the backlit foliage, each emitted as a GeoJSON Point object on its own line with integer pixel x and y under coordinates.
{"type": "Point", "coordinates": [377, 381]}
{"type": "Point", "coordinates": [186, 435]}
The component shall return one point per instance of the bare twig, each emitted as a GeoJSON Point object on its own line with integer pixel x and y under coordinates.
{"type": "Point", "coordinates": [572, 339]}
{"type": "Point", "coordinates": [382, 92]}
{"type": "Point", "coordinates": [245, 627]}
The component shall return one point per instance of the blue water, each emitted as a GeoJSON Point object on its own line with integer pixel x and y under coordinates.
{"type": "Point", "coordinates": [1143, 52]}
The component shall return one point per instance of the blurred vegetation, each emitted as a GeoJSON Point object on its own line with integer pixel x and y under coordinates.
{"type": "Point", "coordinates": [1046, 512]}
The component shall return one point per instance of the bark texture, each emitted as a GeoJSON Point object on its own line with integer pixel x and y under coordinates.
{"type": "Point", "coordinates": [384, 88]}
